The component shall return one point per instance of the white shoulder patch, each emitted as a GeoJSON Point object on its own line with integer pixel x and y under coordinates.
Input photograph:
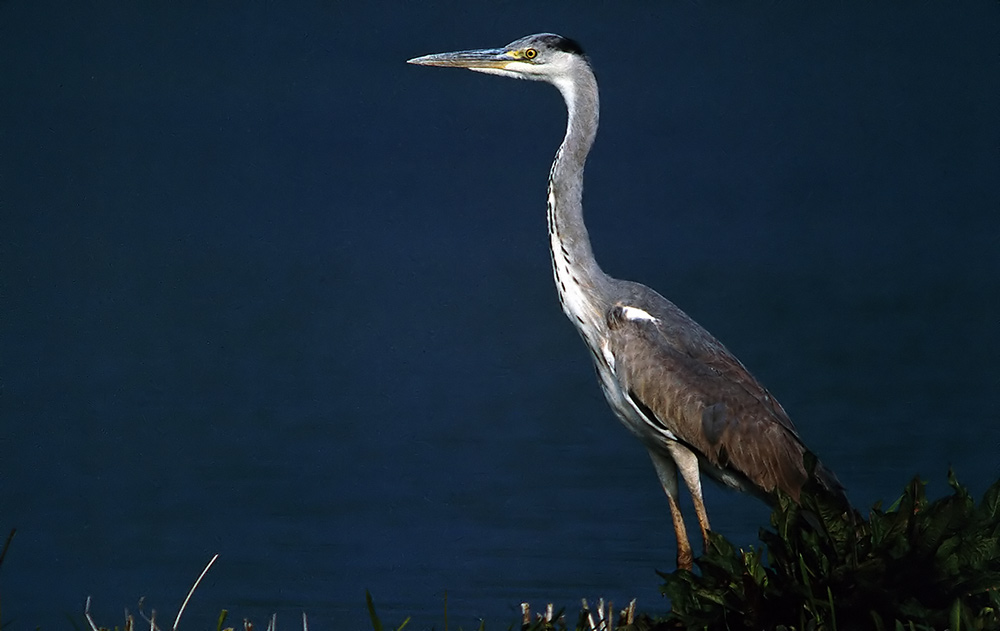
{"type": "Point", "coordinates": [635, 313]}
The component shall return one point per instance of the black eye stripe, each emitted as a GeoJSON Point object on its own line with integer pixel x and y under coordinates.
{"type": "Point", "coordinates": [564, 44]}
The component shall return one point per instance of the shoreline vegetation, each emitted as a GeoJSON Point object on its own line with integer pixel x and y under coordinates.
{"type": "Point", "coordinates": [918, 565]}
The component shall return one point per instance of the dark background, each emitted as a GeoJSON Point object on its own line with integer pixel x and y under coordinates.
{"type": "Point", "coordinates": [267, 291]}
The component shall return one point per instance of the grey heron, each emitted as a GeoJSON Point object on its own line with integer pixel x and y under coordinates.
{"type": "Point", "coordinates": [693, 405]}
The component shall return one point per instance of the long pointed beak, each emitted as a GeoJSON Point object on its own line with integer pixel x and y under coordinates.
{"type": "Point", "coordinates": [474, 59]}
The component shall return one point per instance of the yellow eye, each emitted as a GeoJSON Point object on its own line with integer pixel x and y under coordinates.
{"type": "Point", "coordinates": [531, 53]}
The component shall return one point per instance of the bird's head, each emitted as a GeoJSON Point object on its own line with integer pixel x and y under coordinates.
{"type": "Point", "coordinates": [541, 57]}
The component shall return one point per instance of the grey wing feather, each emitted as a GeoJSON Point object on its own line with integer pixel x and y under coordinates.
{"type": "Point", "coordinates": [686, 381]}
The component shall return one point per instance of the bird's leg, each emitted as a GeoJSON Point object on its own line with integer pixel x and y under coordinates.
{"type": "Point", "coordinates": [666, 470]}
{"type": "Point", "coordinates": [687, 462]}
{"type": "Point", "coordinates": [685, 556]}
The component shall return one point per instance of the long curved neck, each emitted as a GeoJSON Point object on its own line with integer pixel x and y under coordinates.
{"type": "Point", "coordinates": [579, 279]}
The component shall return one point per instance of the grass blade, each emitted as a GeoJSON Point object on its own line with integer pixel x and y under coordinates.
{"type": "Point", "coordinates": [177, 620]}
{"type": "Point", "coordinates": [376, 623]}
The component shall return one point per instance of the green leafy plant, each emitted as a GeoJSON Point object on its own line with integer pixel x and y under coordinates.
{"type": "Point", "coordinates": [918, 565]}
{"type": "Point", "coordinates": [376, 622]}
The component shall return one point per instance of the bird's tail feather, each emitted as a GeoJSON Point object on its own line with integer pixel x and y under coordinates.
{"type": "Point", "coordinates": [827, 479]}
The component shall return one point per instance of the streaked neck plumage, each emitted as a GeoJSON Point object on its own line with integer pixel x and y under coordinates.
{"type": "Point", "coordinates": [579, 280]}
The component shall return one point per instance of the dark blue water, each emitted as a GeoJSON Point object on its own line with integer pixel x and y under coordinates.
{"type": "Point", "coordinates": [267, 291]}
